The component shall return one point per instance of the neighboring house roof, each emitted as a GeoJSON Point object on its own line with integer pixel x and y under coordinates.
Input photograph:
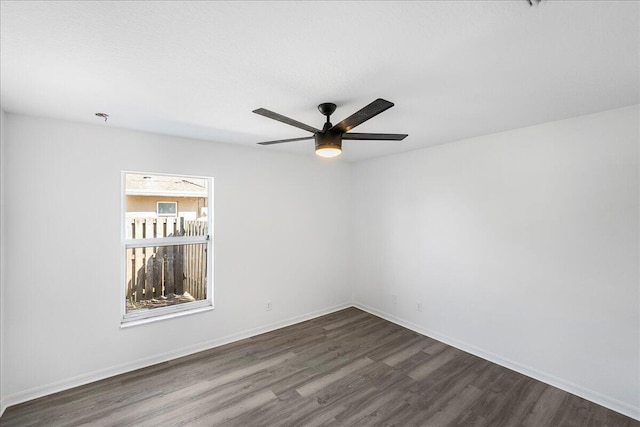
{"type": "Point", "coordinates": [163, 185]}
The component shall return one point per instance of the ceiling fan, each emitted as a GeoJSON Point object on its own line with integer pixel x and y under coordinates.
{"type": "Point", "coordinates": [329, 139]}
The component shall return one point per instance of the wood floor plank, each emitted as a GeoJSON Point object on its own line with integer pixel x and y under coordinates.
{"type": "Point", "coordinates": [237, 409]}
{"type": "Point", "coordinates": [499, 394]}
{"type": "Point", "coordinates": [433, 364]}
{"type": "Point", "coordinates": [389, 414]}
{"type": "Point", "coordinates": [346, 321]}
{"type": "Point", "coordinates": [546, 408]}
{"type": "Point", "coordinates": [319, 383]}
{"type": "Point", "coordinates": [367, 404]}
{"type": "Point", "coordinates": [403, 354]}
{"type": "Point", "coordinates": [454, 407]}
{"type": "Point", "coordinates": [433, 396]}
{"type": "Point", "coordinates": [348, 368]}
{"type": "Point", "coordinates": [524, 399]}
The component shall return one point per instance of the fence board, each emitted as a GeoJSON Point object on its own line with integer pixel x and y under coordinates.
{"type": "Point", "coordinates": [149, 290]}
{"type": "Point", "coordinates": [131, 268]}
{"type": "Point", "coordinates": [138, 258]}
{"type": "Point", "coordinates": [178, 275]}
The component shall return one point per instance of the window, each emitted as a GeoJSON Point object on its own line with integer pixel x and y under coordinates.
{"type": "Point", "coordinates": [167, 208]}
{"type": "Point", "coordinates": [167, 231]}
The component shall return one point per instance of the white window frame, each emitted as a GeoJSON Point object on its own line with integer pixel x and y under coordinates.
{"type": "Point", "coordinates": [162, 313]}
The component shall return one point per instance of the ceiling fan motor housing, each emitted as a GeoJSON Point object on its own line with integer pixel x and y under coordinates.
{"type": "Point", "coordinates": [328, 139]}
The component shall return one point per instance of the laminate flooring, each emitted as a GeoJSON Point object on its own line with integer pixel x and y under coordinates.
{"type": "Point", "coordinates": [348, 368]}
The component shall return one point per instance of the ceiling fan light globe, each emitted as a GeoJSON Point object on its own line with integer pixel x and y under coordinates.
{"type": "Point", "coordinates": [328, 152]}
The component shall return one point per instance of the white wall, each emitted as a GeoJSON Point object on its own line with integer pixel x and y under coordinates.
{"type": "Point", "coordinates": [62, 293]}
{"type": "Point", "coordinates": [522, 247]}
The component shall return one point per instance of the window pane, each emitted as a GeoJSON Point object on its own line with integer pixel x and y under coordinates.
{"type": "Point", "coordinates": [161, 276]}
{"type": "Point", "coordinates": [164, 206]}
{"type": "Point", "coordinates": [167, 209]}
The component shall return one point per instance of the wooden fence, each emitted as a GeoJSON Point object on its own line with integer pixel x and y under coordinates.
{"type": "Point", "coordinates": [158, 271]}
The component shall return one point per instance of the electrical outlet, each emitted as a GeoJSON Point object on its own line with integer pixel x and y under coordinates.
{"type": "Point", "coordinates": [268, 305]}
{"type": "Point", "coordinates": [419, 306]}
{"type": "Point", "coordinates": [394, 299]}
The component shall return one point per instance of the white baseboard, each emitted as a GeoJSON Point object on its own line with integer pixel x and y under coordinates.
{"type": "Point", "coordinates": [45, 390]}
{"type": "Point", "coordinates": [568, 386]}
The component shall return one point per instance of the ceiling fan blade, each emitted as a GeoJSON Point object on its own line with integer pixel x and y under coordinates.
{"type": "Point", "coordinates": [284, 119]}
{"type": "Point", "coordinates": [375, 136]}
{"type": "Point", "coordinates": [279, 141]}
{"type": "Point", "coordinates": [371, 110]}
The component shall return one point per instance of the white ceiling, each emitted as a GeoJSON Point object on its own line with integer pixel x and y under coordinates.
{"type": "Point", "coordinates": [197, 69]}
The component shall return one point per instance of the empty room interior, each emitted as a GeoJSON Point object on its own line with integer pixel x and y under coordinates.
{"type": "Point", "coordinates": [320, 213]}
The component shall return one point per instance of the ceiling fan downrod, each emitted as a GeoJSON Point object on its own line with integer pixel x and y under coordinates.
{"type": "Point", "coordinates": [327, 109]}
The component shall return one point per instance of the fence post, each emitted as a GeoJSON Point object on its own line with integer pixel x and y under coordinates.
{"type": "Point", "coordinates": [130, 268]}
{"type": "Point", "coordinates": [178, 276]}
{"type": "Point", "coordinates": [139, 260]}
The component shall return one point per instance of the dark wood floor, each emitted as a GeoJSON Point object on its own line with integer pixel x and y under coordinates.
{"type": "Point", "coordinates": [348, 368]}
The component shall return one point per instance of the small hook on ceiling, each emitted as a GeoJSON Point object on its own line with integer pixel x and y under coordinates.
{"type": "Point", "coordinates": [104, 116]}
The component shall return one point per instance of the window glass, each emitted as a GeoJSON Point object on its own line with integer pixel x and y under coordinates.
{"type": "Point", "coordinates": [167, 208]}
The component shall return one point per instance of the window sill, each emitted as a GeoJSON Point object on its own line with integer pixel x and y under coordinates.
{"type": "Point", "coordinates": [127, 323]}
